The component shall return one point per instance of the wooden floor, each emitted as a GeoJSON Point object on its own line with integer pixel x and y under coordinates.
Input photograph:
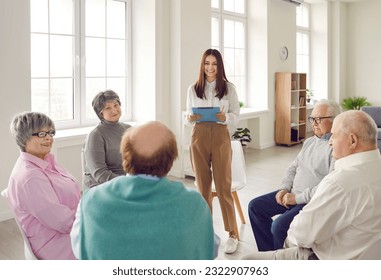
{"type": "Point", "coordinates": [265, 168]}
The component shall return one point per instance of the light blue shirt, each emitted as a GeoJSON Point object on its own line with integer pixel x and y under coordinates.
{"type": "Point", "coordinates": [312, 164]}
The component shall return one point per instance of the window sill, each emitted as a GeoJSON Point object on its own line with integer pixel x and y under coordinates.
{"type": "Point", "coordinates": [72, 132]}
{"type": "Point", "coordinates": [249, 113]}
{"type": "Point", "coordinates": [75, 133]}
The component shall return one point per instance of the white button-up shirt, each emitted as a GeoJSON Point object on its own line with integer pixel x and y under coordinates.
{"type": "Point", "coordinates": [343, 217]}
{"type": "Point", "coordinates": [229, 103]}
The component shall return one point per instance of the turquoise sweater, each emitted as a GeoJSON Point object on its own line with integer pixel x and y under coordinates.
{"type": "Point", "coordinates": [131, 217]}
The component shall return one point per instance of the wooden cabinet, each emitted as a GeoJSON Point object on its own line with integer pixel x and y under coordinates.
{"type": "Point", "coordinates": [290, 108]}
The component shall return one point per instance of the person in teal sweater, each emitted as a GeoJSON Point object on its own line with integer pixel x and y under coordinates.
{"type": "Point", "coordinates": [144, 215]}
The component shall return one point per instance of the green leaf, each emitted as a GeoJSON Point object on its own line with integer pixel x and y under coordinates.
{"type": "Point", "coordinates": [243, 135]}
{"type": "Point", "coordinates": [354, 103]}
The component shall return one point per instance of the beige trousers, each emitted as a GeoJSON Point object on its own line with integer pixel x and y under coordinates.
{"type": "Point", "coordinates": [210, 151]}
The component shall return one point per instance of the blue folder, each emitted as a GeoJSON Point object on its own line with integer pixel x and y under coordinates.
{"type": "Point", "coordinates": [208, 114]}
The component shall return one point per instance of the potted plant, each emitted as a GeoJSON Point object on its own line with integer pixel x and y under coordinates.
{"type": "Point", "coordinates": [243, 135]}
{"type": "Point", "coordinates": [309, 94]}
{"type": "Point", "coordinates": [354, 103]}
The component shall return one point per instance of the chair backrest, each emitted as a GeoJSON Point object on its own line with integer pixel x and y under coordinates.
{"type": "Point", "coordinates": [29, 255]}
{"type": "Point", "coordinates": [373, 252]}
{"type": "Point", "coordinates": [238, 166]}
{"type": "Point", "coordinates": [83, 164]}
{"type": "Point", "coordinates": [374, 112]}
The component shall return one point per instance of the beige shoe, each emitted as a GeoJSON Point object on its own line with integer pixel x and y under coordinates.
{"type": "Point", "coordinates": [231, 245]}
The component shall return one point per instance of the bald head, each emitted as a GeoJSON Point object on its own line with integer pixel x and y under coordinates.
{"type": "Point", "coordinates": [353, 132]}
{"type": "Point", "coordinates": [149, 137]}
{"type": "Point", "coordinates": [149, 148]}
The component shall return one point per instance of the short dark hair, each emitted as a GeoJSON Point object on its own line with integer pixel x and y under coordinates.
{"type": "Point", "coordinates": [100, 100]}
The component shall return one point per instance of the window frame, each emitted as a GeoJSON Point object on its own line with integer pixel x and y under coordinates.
{"type": "Point", "coordinates": [304, 31]}
{"type": "Point", "coordinates": [79, 69]}
{"type": "Point", "coordinates": [220, 14]}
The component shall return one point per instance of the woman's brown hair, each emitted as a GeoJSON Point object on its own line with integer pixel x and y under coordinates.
{"type": "Point", "coordinates": [221, 87]}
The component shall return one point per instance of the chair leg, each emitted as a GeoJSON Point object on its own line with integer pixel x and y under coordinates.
{"type": "Point", "coordinates": [238, 206]}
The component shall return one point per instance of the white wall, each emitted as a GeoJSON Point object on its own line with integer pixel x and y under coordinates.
{"type": "Point", "coordinates": [281, 23]}
{"type": "Point", "coordinates": [363, 54]}
{"type": "Point", "coordinates": [320, 50]}
{"type": "Point", "coordinates": [14, 81]}
{"type": "Point", "coordinates": [257, 54]}
{"type": "Point", "coordinates": [144, 59]}
{"type": "Point", "coordinates": [337, 63]}
{"type": "Point", "coordinates": [189, 38]}
{"type": "Point", "coordinates": [350, 68]}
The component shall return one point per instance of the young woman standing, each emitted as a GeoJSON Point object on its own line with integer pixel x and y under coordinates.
{"type": "Point", "coordinates": [210, 149]}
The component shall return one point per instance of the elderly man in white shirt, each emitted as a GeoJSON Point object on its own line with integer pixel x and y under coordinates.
{"type": "Point", "coordinates": [343, 218]}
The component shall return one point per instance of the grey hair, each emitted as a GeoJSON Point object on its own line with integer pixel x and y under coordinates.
{"type": "Point", "coordinates": [334, 108]}
{"type": "Point", "coordinates": [99, 101]}
{"type": "Point", "coordinates": [25, 124]}
{"type": "Point", "coordinates": [360, 124]}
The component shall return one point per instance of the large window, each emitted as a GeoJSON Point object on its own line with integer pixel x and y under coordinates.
{"type": "Point", "coordinates": [303, 40]}
{"type": "Point", "coordinates": [78, 48]}
{"type": "Point", "coordinates": [229, 37]}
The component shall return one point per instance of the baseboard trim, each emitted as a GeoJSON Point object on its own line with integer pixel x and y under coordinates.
{"type": "Point", "coordinates": [267, 145]}
{"type": "Point", "coordinates": [6, 215]}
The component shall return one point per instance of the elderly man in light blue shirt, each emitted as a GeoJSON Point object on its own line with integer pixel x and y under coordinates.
{"type": "Point", "coordinates": [312, 164]}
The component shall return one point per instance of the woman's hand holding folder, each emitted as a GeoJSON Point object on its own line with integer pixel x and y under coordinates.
{"type": "Point", "coordinates": [194, 117]}
{"type": "Point", "coordinates": [221, 115]}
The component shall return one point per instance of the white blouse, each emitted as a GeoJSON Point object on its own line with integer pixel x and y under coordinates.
{"type": "Point", "coordinates": [229, 102]}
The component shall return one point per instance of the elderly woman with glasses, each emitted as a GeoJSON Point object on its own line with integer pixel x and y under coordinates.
{"type": "Point", "coordinates": [43, 195]}
{"type": "Point", "coordinates": [101, 157]}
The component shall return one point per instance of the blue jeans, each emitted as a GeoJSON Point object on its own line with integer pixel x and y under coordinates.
{"type": "Point", "coordinates": [270, 234]}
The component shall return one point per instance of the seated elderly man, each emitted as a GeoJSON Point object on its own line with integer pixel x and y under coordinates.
{"type": "Point", "coordinates": [144, 215]}
{"type": "Point", "coordinates": [343, 218]}
{"type": "Point", "coordinates": [298, 185]}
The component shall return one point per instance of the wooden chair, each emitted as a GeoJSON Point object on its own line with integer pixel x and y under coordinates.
{"type": "Point", "coordinates": [238, 176]}
{"type": "Point", "coordinates": [29, 255]}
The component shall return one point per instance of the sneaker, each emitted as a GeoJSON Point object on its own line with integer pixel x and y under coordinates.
{"type": "Point", "coordinates": [231, 245]}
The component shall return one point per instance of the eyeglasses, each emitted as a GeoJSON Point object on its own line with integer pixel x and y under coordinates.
{"type": "Point", "coordinates": [317, 120]}
{"type": "Point", "coordinates": [42, 134]}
